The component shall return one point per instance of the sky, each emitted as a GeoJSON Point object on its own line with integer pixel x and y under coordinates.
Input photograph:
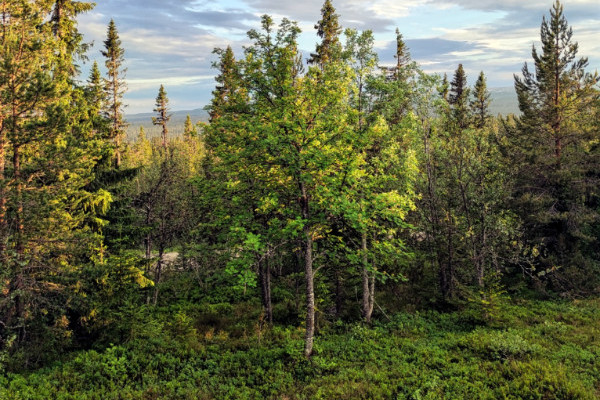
{"type": "Point", "coordinates": [171, 42]}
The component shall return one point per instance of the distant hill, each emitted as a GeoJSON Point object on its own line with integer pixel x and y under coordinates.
{"type": "Point", "coordinates": [175, 125]}
{"type": "Point", "coordinates": [504, 101]}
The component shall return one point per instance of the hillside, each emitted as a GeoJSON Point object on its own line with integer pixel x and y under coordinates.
{"type": "Point", "coordinates": [504, 101]}
{"type": "Point", "coordinates": [175, 125]}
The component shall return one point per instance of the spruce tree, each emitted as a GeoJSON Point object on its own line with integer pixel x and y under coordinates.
{"type": "Point", "coordinates": [162, 110]}
{"type": "Point", "coordinates": [480, 104]}
{"type": "Point", "coordinates": [96, 100]}
{"type": "Point", "coordinates": [64, 28]}
{"type": "Point", "coordinates": [227, 90]}
{"type": "Point", "coordinates": [115, 88]}
{"type": "Point", "coordinates": [459, 98]}
{"type": "Point", "coordinates": [402, 56]}
{"type": "Point", "coordinates": [444, 88]}
{"type": "Point", "coordinates": [328, 29]}
{"type": "Point", "coordinates": [47, 214]}
{"type": "Point", "coordinates": [189, 130]}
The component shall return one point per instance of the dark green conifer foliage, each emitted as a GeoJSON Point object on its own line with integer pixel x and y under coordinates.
{"type": "Point", "coordinates": [115, 88]}
{"type": "Point", "coordinates": [402, 56]}
{"type": "Point", "coordinates": [228, 89]}
{"type": "Point", "coordinates": [96, 100]}
{"type": "Point", "coordinates": [480, 104]}
{"type": "Point", "coordinates": [189, 130]}
{"type": "Point", "coordinates": [444, 88]}
{"type": "Point", "coordinates": [163, 116]}
{"type": "Point", "coordinates": [328, 29]}
{"type": "Point", "coordinates": [458, 86]}
{"type": "Point", "coordinates": [555, 189]}
{"type": "Point", "coordinates": [64, 27]}
{"type": "Point", "coordinates": [48, 215]}
{"type": "Point", "coordinates": [459, 98]}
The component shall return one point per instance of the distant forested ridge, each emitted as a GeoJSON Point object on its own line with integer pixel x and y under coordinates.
{"type": "Point", "coordinates": [319, 195]}
{"type": "Point", "coordinates": [503, 101]}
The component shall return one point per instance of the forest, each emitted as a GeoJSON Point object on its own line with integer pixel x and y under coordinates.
{"type": "Point", "coordinates": [338, 229]}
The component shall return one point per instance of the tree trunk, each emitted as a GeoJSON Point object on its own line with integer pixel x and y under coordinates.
{"type": "Point", "coordinates": [20, 246]}
{"type": "Point", "coordinates": [308, 270]}
{"type": "Point", "coordinates": [3, 194]}
{"type": "Point", "coordinates": [265, 279]}
{"type": "Point", "coordinates": [367, 296]}
{"type": "Point", "coordinates": [310, 294]}
{"type": "Point", "coordinates": [338, 294]}
{"type": "Point", "coordinates": [158, 275]}
{"type": "Point", "coordinates": [148, 241]}
{"type": "Point", "coordinates": [164, 135]}
{"type": "Point", "coordinates": [371, 298]}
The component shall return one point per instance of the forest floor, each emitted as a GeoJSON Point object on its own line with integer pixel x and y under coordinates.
{"type": "Point", "coordinates": [529, 350]}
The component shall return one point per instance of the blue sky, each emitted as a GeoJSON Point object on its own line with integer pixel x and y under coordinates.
{"type": "Point", "coordinates": [171, 42]}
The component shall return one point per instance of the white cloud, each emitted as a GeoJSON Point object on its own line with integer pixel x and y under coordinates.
{"type": "Point", "coordinates": [173, 81]}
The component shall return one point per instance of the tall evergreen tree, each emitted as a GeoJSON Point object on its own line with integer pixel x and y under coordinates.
{"type": "Point", "coordinates": [328, 29]}
{"type": "Point", "coordinates": [459, 98]}
{"type": "Point", "coordinates": [480, 104]}
{"type": "Point", "coordinates": [228, 89]}
{"type": "Point", "coordinates": [115, 88]}
{"type": "Point", "coordinates": [162, 110]}
{"type": "Point", "coordinates": [402, 56]}
{"type": "Point", "coordinates": [63, 21]}
{"type": "Point", "coordinates": [46, 210]}
{"type": "Point", "coordinates": [189, 130]}
{"type": "Point", "coordinates": [555, 188]}
{"type": "Point", "coordinates": [444, 88]}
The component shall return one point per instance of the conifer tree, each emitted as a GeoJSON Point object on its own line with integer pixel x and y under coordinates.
{"type": "Point", "coordinates": [63, 21]}
{"type": "Point", "coordinates": [459, 98]}
{"type": "Point", "coordinates": [480, 104]}
{"type": "Point", "coordinates": [189, 130]}
{"type": "Point", "coordinates": [402, 56]}
{"type": "Point", "coordinates": [46, 211]}
{"type": "Point", "coordinates": [227, 90]}
{"type": "Point", "coordinates": [328, 29]}
{"type": "Point", "coordinates": [96, 100]}
{"type": "Point", "coordinates": [444, 88]}
{"type": "Point", "coordinates": [162, 110]}
{"type": "Point", "coordinates": [550, 152]}
{"type": "Point", "coordinates": [115, 88]}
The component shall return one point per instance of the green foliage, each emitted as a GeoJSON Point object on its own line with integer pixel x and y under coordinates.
{"type": "Point", "coordinates": [555, 189]}
{"type": "Point", "coordinates": [426, 356]}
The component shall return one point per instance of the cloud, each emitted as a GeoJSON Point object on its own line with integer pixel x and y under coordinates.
{"type": "Point", "coordinates": [169, 82]}
{"type": "Point", "coordinates": [171, 42]}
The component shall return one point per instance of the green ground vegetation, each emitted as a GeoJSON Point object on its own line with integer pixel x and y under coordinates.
{"type": "Point", "coordinates": [531, 349]}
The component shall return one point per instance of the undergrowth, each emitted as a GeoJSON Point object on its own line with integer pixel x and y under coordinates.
{"type": "Point", "coordinates": [532, 350]}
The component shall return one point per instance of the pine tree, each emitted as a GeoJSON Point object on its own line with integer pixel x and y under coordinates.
{"type": "Point", "coordinates": [480, 105]}
{"type": "Point", "coordinates": [550, 153]}
{"type": "Point", "coordinates": [115, 88]}
{"type": "Point", "coordinates": [162, 109]}
{"type": "Point", "coordinates": [328, 29]}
